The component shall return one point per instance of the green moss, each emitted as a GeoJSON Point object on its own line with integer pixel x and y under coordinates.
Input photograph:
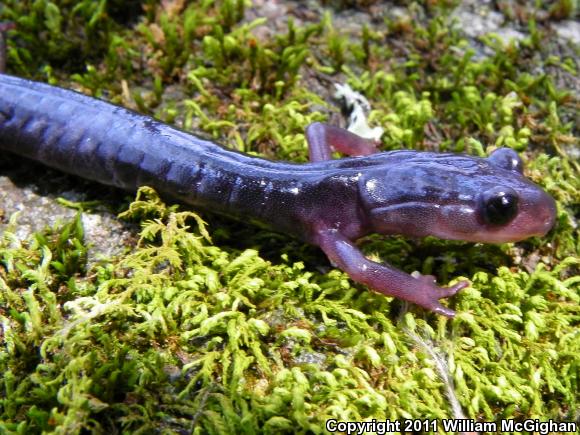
{"type": "Point", "coordinates": [184, 334]}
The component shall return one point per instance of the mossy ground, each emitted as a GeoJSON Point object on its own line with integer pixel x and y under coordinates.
{"type": "Point", "coordinates": [219, 327]}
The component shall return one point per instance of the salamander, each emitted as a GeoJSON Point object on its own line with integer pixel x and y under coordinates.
{"type": "Point", "coordinates": [329, 203]}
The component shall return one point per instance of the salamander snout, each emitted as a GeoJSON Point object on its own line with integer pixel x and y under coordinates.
{"type": "Point", "coordinates": [539, 212]}
{"type": "Point", "coordinates": [510, 216]}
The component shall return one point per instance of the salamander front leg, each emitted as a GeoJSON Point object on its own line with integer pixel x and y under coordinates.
{"type": "Point", "coordinates": [383, 278]}
{"type": "Point", "coordinates": [322, 137]}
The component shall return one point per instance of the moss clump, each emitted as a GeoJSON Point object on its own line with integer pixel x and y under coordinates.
{"type": "Point", "coordinates": [180, 334]}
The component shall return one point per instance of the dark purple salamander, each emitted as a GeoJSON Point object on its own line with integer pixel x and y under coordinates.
{"type": "Point", "coordinates": [329, 203]}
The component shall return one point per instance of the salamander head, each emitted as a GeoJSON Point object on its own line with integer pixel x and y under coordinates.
{"type": "Point", "coordinates": [457, 197]}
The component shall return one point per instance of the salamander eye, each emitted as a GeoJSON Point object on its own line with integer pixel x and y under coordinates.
{"type": "Point", "coordinates": [499, 205]}
{"type": "Point", "coordinates": [506, 158]}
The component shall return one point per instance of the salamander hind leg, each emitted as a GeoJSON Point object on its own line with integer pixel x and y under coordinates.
{"type": "Point", "coordinates": [322, 138]}
{"type": "Point", "coordinates": [383, 278]}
